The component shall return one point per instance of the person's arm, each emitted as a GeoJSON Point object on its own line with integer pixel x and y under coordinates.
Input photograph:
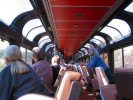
{"type": "Point", "coordinates": [93, 62]}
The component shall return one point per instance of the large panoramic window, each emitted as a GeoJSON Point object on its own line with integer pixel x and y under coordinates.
{"type": "Point", "coordinates": [118, 58]}
{"type": "Point", "coordinates": [32, 28]}
{"type": "Point", "coordinates": [101, 40]}
{"type": "Point", "coordinates": [10, 9]}
{"type": "Point", "coordinates": [117, 29]}
{"type": "Point", "coordinates": [128, 57]}
{"type": "Point", "coordinates": [43, 40]}
{"type": "Point", "coordinates": [85, 50]}
{"type": "Point", "coordinates": [26, 55]}
{"type": "Point", "coordinates": [87, 45]}
{"type": "Point", "coordinates": [3, 45]}
{"type": "Point", "coordinates": [49, 46]}
{"type": "Point", "coordinates": [114, 34]}
{"type": "Point", "coordinates": [129, 8]}
{"type": "Point", "coordinates": [122, 26]}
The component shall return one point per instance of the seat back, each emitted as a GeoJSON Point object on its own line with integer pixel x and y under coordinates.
{"type": "Point", "coordinates": [107, 91]}
{"type": "Point", "coordinates": [124, 82]}
{"type": "Point", "coordinates": [66, 84]}
{"type": "Point", "coordinates": [75, 91]}
{"type": "Point", "coordinates": [102, 79]}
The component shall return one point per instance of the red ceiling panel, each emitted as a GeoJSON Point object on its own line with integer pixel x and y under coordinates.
{"type": "Point", "coordinates": [83, 2]}
{"type": "Point", "coordinates": [75, 25]}
{"type": "Point", "coordinates": [75, 19]}
{"type": "Point", "coordinates": [69, 13]}
{"type": "Point", "coordinates": [73, 32]}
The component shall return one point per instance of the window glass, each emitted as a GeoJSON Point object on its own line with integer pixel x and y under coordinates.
{"type": "Point", "coordinates": [3, 45]}
{"type": "Point", "coordinates": [81, 53]}
{"type": "Point", "coordinates": [10, 9]}
{"type": "Point", "coordinates": [83, 49]}
{"type": "Point", "coordinates": [43, 38]}
{"type": "Point", "coordinates": [105, 57]}
{"type": "Point", "coordinates": [122, 26]}
{"type": "Point", "coordinates": [32, 28]}
{"type": "Point", "coordinates": [29, 57]}
{"type": "Point", "coordinates": [35, 32]}
{"type": "Point", "coordinates": [26, 55]}
{"type": "Point", "coordinates": [49, 46]}
{"type": "Point", "coordinates": [101, 39]}
{"type": "Point", "coordinates": [23, 50]}
{"type": "Point", "coordinates": [118, 58]}
{"type": "Point", "coordinates": [87, 45]}
{"type": "Point", "coordinates": [96, 41]}
{"type": "Point", "coordinates": [114, 34]}
{"type": "Point", "coordinates": [44, 42]}
{"type": "Point", "coordinates": [30, 25]}
{"type": "Point", "coordinates": [128, 56]}
{"type": "Point", "coordinates": [102, 56]}
{"type": "Point", "coordinates": [129, 8]}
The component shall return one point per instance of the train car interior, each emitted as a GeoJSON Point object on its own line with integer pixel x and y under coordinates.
{"type": "Point", "coordinates": [68, 28]}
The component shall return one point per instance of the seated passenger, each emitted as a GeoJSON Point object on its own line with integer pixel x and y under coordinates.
{"type": "Point", "coordinates": [97, 61]}
{"type": "Point", "coordinates": [42, 67]}
{"type": "Point", "coordinates": [55, 67]}
{"type": "Point", "coordinates": [17, 78]}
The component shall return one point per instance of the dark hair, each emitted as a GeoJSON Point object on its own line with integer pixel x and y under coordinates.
{"type": "Point", "coordinates": [38, 53]}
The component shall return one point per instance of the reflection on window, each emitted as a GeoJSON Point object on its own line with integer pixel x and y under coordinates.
{"type": "Point", "coordinates": [128, 57]}
{"type": "Point", "coordinates": [118, 58]}
{"type": "Point", "coordinates": [49, 46]}
{"type": "Point", "coordinates": [10, 9]}
{"type": "Point", "coordinates": [114, 34]}
{"type": "Point", "coordinates": [35, 32]}
{"type": "Point", "coordinates": [129, 8]}
{"type": "Point", "coordinates": [122, 26]}
{"type": "Point", "coordinates": [3, 45]}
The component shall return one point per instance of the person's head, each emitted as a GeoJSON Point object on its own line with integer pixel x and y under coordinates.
{"type": "Point", "coordinates": [12, 53]}
{"type": "Point", "coordinates": [13, 56]}
{"type": "Point", "coordinates": [38, 54]}
{"type": "Point", "coordinates": [92, 51]}
{"type": "Point", "coordinates": [55, 60]}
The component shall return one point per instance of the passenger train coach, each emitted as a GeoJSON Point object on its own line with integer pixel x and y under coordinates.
{"type": "Point", "coordinates": [68, 28]}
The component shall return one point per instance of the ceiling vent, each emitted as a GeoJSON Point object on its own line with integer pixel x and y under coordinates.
{"type": "Point", "coordinates": [79, 14]}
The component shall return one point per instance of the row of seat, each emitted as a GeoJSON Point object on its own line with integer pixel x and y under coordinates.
{"type": "Point", "coordinates": [121, 90]}
{"type": "Point", "coordinates": [65, 91]}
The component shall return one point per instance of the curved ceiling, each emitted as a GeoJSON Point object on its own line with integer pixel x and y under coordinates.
{"type": "Point", "coordinates": [74, 20]}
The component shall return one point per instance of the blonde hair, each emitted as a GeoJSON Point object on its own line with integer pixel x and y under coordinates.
{"type": "Point", "coordinates": [14, 55]}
